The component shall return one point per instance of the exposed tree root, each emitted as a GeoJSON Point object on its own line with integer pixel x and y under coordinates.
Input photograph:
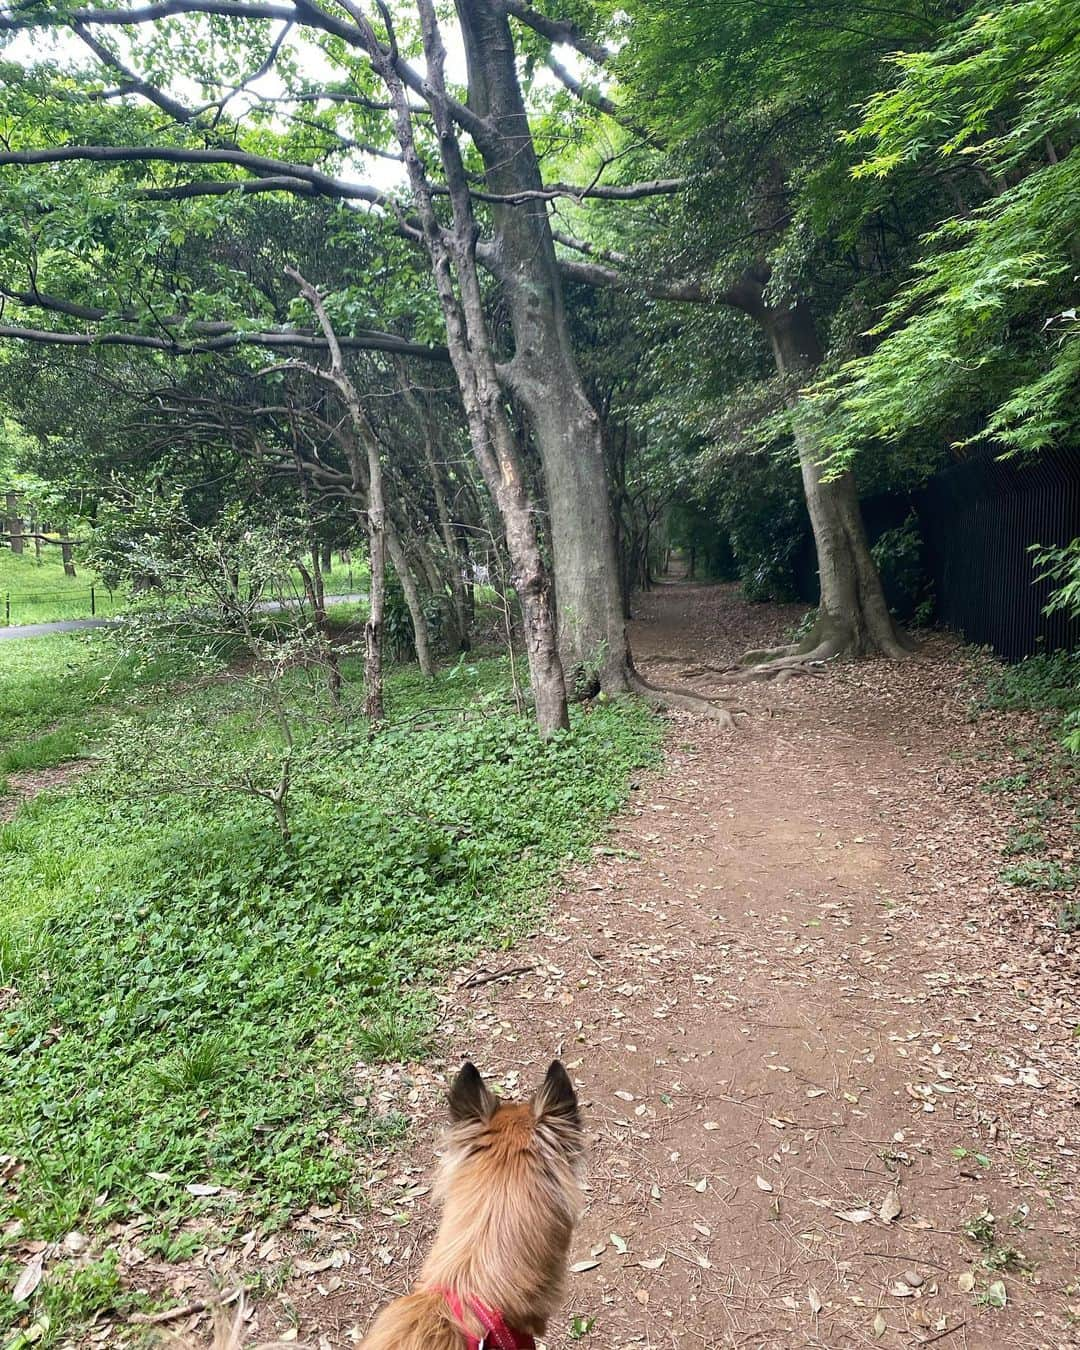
{"type": "Point", "coordinates": [662, 697]}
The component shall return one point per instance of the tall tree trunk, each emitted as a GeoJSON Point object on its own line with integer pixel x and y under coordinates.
{"type": "Point", "coordinates": [453, 258]}
{"type": "Point", "coordinates": [853, 617]}
{"type": "Point", "coordinates": [372, 473]}
{"type": "Point", "coordinates": [414, 600]}
{"type": "Point", "coordinates": [543, 372]}
{"type": "Point", "coordinates": [429, 440]}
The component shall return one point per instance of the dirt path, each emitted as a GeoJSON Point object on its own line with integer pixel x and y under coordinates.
{"type": "Point", "coordinates": [813, 1038]}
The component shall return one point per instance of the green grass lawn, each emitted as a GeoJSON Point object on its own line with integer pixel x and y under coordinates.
{"type": "Point", "coordinates": [37, 590]}
{"type": "Point", "coordinates": [187, 992]}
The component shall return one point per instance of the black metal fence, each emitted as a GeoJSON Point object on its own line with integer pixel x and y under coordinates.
{"type": "Point", "coordinates": [979, 520]}
{"type": "Point", "coordinates": [52, 604]}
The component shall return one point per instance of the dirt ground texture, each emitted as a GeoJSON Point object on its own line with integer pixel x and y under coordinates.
{"type": "Point", "coordinates": [816, 1038]}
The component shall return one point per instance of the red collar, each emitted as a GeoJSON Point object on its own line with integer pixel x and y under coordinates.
{"type": "Point", "coordinates": [497, 1335]}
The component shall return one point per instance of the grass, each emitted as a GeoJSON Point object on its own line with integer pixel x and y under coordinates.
{"type": "Point", "coordinates": [189, 994]}
{"type": "Point", "coordinates": [37, 590]}
{"type": "Point", "coordinates": [57, 692]}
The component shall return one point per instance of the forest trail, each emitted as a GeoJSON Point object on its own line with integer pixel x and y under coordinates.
{"type": "Point", "coordinates": [813, 1037]}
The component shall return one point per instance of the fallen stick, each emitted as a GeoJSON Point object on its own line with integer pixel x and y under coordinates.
{"type": "Point", "coordinates": [475, 980]}
{"type": "Point", "coordinates": [184, 1310]}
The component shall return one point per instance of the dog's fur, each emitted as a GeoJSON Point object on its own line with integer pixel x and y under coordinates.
{"type": "Point", "coordinates": [510, 1190]}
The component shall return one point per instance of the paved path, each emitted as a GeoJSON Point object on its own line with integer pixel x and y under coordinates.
{"type": "Point", "coordinates": [31, 630]}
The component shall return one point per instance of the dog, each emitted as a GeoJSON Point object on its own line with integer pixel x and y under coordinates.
{"type": "Point", "coordinates": [510, 1189]}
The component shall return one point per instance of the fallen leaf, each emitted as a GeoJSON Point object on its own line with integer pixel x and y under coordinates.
{"type": "Point", "coordinates": [996, 1295]}
{"type": "Point", "coordinates": [653, 1263]}
{"type": "Point", "coordinates": [899, 1289]}
{"type": "Point", "coordinates": [619, 1243]}
{"type": "Point", "coordinates": [702, 1185]}
{"type": "Point", "coordinates": [815, 1299]}
{"type": "Point", "coordinates": [879, 1325]}
{"type": "Point", "coordinates": [966, 1282]}
{"type": "Point", "coordinates": [854, 1215]}
{"type": "Point", "coordinates": [891, 1208]}
{"type": "Point", "coordinates": [762, 1184]}
{"type": "Point", "coordinates": [30, 1278]}
{"type": "Point", "coordinates": [201, 1188]}
{"type": "Point", "coordinates": [579, 1266]}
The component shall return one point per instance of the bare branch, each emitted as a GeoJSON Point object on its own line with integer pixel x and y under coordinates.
{"type": "Point", "coordinates": [324, 183]}
{"type": "Point", "coordinates": [283, 339]}
{"type": "Point", "coordinates": [558, 31]}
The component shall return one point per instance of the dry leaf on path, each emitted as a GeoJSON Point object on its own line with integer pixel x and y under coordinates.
{"type": "Point", "coordinates": [854, 1215]}
{"type": "Point", "coordinates": [891, 1208]}
{"type": "Point", "coordinates": [762, 1184]}
{"type": "Point", "coordinates": [30, 1278]}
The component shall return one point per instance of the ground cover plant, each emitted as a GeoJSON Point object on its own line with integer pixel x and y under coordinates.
{"type": "Point", "coordinates": [1044, 792]}
{"type": "Point", "coordinates": [185, 992]}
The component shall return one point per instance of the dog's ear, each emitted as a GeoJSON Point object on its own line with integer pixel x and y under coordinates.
{"type": "Point", "coordinates": [469, 1096]}
{"type": "Point", "coordinates": [556, 1100]}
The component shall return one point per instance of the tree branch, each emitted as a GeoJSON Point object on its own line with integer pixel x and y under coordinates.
{"type": "Point", "coordinates": [324, 183]}
{"type": "Point", "coordinates": [279, 340]}
{"type": "Point", "coordinates": [562, 31]}
{"type": "Point", "coordinates": [133, 83]}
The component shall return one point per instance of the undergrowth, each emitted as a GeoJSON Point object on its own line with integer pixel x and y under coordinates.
{"type": "Point", "coordinates": [187, 993]}
{"type": "Point", "coordinates": [1047, 789]}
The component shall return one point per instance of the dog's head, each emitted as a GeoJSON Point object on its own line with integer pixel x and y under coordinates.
{"type": "Point", "coordinates": [530, 1151]}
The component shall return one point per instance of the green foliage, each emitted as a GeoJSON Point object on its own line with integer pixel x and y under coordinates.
{"type": "Point", "coordinates": [1041, 876]}
{"type": "Point", "coordinates": [1050, 682]}
{"type": "Point", "coordinates": [71, 1294]}
{"type": "Point", "coordinates": [898, 554]}
{"type": "Point", "coordinates": [191, 991]}
{"type": "Point", "coordinates": [988, 322]}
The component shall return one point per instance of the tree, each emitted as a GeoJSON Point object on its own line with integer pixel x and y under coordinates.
{"type": "Point", "coordinates": [982, 344]}
{"type": "Point", "coordinates": [752, 101]}
{"type": "Point", "coordinates": [158, 130]}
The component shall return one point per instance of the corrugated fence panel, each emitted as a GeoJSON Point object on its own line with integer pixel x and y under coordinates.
{"type": "Point", "coordinates": [979, 520]}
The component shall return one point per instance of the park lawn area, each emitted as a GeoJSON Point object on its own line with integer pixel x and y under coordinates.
{"type": "Point", "coordinates": [57, 690]}
{"type": "Point", "coordinates": [37, 590]}
{"type": "Point", "coordinates": [184, 992]}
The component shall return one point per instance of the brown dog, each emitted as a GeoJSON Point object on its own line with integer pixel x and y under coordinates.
{"type": "Point", "coordinates": [510, 1190]}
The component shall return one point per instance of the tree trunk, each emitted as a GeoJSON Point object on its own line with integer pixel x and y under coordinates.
{"type": "Point", "coordinates": [14, 523]}
{"type": "Point", "coordinates": [414, 600]}
{"type": "Point", "coordinates": [453, 257]}
{"type": "Point", "coordinates": [543, 372]}
{"type": "Point", "coordinates": [853, 617]}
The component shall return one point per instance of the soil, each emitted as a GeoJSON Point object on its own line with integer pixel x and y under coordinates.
{"type": "Point", "coordinates": [25, 784]}
{"type": "Point", "coordinates": [816, 1038]}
